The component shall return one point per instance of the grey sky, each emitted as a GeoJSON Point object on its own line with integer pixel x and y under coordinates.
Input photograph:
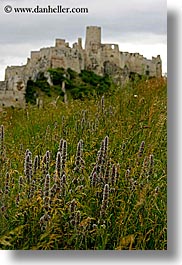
{"type": "Point", "coordinates": [136, 25]}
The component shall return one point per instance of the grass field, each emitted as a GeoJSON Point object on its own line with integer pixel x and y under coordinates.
{"type": "Point", "coordinates": [89, 175]}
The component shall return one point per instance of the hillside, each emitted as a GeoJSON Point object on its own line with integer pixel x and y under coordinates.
{"type": "Point", "coordinates": [90, 174]}
{"type": "Point", "coordinates": [86, 84]}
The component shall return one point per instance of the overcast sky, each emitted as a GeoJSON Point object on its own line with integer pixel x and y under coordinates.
{"type": "Point", "coordinates": [136, 25]}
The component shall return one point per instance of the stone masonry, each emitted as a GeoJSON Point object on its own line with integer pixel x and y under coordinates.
{"type": "Point", "coordinates": [98, 57]}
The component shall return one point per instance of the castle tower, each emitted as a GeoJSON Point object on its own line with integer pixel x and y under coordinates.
{"type": "Point", "coordinates": [158, 66]}
{"type": "Point", "coordinates": [93, 38]}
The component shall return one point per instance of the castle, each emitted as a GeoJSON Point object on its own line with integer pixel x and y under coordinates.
{"type": "Point", "coordinates": [98, 57]}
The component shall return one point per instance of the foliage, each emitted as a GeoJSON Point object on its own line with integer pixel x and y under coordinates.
{"type": "Point", "coordinates": [87, 175]}
{"type": "Point", "coordinates": [57, 75]}
{"type": "Point", "coordinates": [79, 86]}
{"type": "Point", "coordinates": [34, 89]}
{"type": "Point", "coordinates": [30, 93]}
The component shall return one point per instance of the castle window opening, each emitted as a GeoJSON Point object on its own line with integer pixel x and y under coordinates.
{"type": "Point", "coordinates": [112, 46]}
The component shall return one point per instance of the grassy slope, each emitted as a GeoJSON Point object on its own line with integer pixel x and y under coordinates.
{"type": "Point", "coordinates": [136, 214]}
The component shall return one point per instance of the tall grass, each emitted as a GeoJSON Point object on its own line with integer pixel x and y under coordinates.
{"type": "Point", "coordinates": [87, 175]}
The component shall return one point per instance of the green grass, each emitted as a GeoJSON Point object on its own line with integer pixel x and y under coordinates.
{"type": "Point", "coordinates": [134, 213]}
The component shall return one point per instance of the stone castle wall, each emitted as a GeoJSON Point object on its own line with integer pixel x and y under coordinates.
{"type": "Point", "coordinates": [98, 57]}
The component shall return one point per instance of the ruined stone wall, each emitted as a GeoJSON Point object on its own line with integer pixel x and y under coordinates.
{"type": "Point", "coordinates": [39, 61]}
{"type": "Point", "coordinates": [136, 63]}
{"type": "Point", "coordinates": [106, 53]}
{"type": "Point", "coordinates": [12, 97]}
{"type": "Point", "coordinates": [66, 57]}
{"type": "Point", "coordinates": [2, 86]}
{"type": "Point", "coordinates": [93, 61]}
{"type": "Point", "coordinates": [14, 78]}
{"type": "Point", "coordinates": [110, 52]}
